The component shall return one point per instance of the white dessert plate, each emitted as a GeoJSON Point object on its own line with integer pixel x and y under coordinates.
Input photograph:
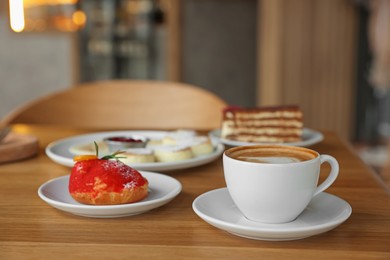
{"type": "Point", "coordinates": [162, 189]}
{"type": "Point", "coordinates": [309, 137]}
{"type": "Point", "coordinates": [58, 151]}
{"type": "Point", "coordinates": [324, 213]}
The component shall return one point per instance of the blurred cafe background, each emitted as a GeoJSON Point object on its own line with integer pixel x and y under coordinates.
{"type": "Point", "coordinates": [315, 53]}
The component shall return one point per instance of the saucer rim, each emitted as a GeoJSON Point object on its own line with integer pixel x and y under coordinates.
{"type": "Point", "coordinates": [101, 211]}
{"type": "Point", "coordinates": [313, 137]}
{"type": "Point", "coordinates": [273, 229]}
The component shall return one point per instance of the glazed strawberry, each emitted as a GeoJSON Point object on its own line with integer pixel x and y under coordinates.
{"type": "Point", "coordinates": [105, 181]}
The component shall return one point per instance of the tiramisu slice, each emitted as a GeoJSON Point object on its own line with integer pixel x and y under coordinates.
{"type": "Point", "coordinates": [279, 124]}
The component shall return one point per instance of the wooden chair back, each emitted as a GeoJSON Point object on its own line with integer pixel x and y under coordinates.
{"type": "Point", "coordinates": [125, 104]}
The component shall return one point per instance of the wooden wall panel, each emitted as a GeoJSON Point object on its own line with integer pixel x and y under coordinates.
{"type": "Point", "coordinates": [270, 20]}
{"type": "Point", "coordinates": [307, 51]}
{"type": "Point", "coordinates": [172, 9]}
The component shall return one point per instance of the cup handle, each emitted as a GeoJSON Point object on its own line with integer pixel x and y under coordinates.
{"type": "Point", "coordinates": [334, 172]}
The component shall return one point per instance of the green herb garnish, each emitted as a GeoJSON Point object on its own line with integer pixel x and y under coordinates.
{"type": "Point", "coordinates": [110, 156]}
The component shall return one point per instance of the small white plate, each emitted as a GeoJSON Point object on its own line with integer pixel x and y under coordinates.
{"type": "Point", "coordinates": [58, 151]}
{"type": "Point", "coordinates": [162, 189]}
{"type": "Point", "coordinates": [324, 213]}
{"type": "Point", "coordinates": [309, 137]}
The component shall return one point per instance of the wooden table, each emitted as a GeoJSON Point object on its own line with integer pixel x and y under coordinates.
{"type": "Point", "coordinates": [29, 228]}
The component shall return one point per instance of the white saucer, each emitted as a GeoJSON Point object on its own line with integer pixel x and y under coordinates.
{"type": "Point", "coordinates": [324, 213]}
{"type": "Point", "coordinates": [309, 137]}
{"type": "Point", "coordinates": [58, 151]}
{"type": "Point", "coordinates": [162, 189]}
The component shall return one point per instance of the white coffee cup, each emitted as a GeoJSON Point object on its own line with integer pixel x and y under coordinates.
{"type": "Point", "coordinates": [275, 183]}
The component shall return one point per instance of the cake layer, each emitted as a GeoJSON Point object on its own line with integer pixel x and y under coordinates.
{"type": "Point", "coordinates": [264, 138]}
{"type": "Point", "coordinates": [267, 124]}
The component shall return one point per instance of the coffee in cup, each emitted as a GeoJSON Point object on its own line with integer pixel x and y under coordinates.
{"type": "Point", "coordinates": [272, 154]}
{"type": "Point", "coordinates": [275, 183]}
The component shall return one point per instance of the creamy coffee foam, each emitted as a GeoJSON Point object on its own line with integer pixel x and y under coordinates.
{"type": "Point", "coordinates": [272, 154]}
{"type": "Point", "coordinates": [269, 159]}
